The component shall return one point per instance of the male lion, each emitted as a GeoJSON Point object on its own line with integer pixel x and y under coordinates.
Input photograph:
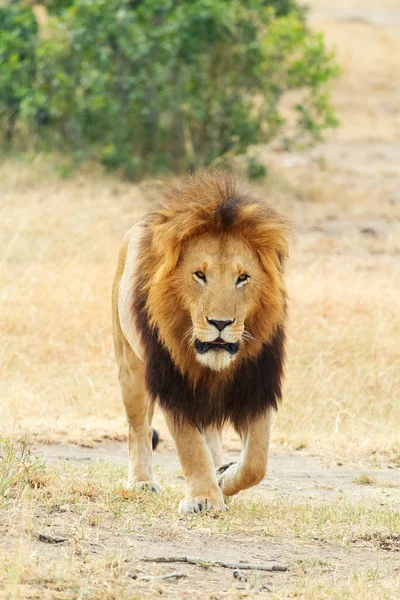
{"type": "Point", "coordinates": [198, 319]}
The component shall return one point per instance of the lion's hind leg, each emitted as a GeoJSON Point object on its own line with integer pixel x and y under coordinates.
{"type": "Point", "coordinates": [139, 413]}
{"type": "Point", "coordinates": [214, 443]}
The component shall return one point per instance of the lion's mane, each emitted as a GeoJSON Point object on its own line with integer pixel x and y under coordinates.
{"type": "Point", "coordinates": [209, 202]}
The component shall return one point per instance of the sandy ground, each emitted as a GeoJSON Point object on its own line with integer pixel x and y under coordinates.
{"type": "Point", "coordinates": [144, 579]}
{"type": "Point", "coordinates": [301, 480]}
{"type": "Point", "coordinates": [297, 475]}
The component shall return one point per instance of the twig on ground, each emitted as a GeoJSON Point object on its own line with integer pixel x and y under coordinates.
{"type": "Point", "coordinates": [216, 563]}
{"type": "Point", "coordinates": [173, 575]}
{"type": "Point", "coordinates": [262, 588]}
{"type": "Point", "coordinates": [50, 539]}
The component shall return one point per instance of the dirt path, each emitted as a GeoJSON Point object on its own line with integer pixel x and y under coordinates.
{"type": "Point", "coordinates": [294, 479]}
{"type": "Point", "coordinates": [298, 476]}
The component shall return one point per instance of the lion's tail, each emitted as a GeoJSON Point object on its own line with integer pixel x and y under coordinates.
{"type": "Point", "coordinates": [155, 439]}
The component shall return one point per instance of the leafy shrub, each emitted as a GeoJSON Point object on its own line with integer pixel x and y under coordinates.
{"type": "Point", "coordinates": [18, 40]}
{"type": "Point", "coordinates": [153, 85]}
{"type": "Point", "coordinates": [255, 169]}
{"type": "Point", "coordinates": [284, 7]}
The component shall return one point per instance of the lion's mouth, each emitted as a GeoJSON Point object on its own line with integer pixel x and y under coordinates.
{"type": "Point", "coordinates": [216, 345]}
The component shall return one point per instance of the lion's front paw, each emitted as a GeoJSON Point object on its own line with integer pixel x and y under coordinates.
{"type": "Point", "coordinates": [226, 477]}
{"type": "Point", "coordinates": [201, 504]}
{"type": "Point", "coordinates": [149, 486]}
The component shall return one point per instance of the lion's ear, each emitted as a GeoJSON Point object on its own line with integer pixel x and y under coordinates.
{"type": "Point", "coordinates": [166, 248]}
{"type": "Point", "coordinates": [271, 241]}
{"type": "Point", "coordinates": [282, 256]}
{"type": "Point", "coordinates": [270, 262]}
{"type": "Point", "coordinates": [171, 229]}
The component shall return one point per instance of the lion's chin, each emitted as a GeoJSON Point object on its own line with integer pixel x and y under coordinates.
{"type": "Point", "coordinates": [217, 360]}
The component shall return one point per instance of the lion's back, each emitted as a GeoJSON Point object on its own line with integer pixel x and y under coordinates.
{"type": "Point", "coordinates": [123, 323]}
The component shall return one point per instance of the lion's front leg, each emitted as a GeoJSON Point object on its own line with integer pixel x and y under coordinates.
{"type": "Point", "coordinates": [252, 467]}
{"type": "Point", "coordinates": [202, 490]}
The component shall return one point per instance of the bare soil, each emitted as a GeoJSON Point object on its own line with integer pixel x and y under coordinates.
{"type": "Point", "coordinates": [302, 478]}
{"type": "Point", "coordinates": [298, 475]}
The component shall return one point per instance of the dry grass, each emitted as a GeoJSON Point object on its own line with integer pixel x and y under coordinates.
{"type": "Point", "coordinates": [87, 491]}
{"type": "Point", "coordinates": [332, 549]}
{"type": "Point", "coordinates": [59, 241]}
{"type": "Point", "coordinates": [59, 244]}
{"type": "Point", "coordinates": [19, 468]}
{"type": "Point", "coordinates": [358, 586]}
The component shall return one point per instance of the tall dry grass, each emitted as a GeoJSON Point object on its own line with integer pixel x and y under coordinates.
{"type": "Point", "coordinates": [59, 242]}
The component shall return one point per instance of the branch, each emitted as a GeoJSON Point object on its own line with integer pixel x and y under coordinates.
{"type": "Point", "coordinates": [174, 575]}
{"type": "Point", "coordinates": [211, 563]}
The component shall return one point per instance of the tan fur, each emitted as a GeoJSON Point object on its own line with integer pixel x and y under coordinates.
{"type": "Point", "coordinates": [181, 242]}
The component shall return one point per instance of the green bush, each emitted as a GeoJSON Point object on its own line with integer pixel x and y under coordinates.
{"type": "Point", "coordinates": [18, 41]}
{"type": "Point", "coordinates": [153, 85]}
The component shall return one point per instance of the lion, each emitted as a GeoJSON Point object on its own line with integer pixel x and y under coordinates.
{"type": "Point", "coordinates": [199, 311]}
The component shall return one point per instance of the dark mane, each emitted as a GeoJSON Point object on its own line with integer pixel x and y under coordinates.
{"type": "Point", "coordinates": [209, 201]}
{"type": "Point", "coordinates": [254, 387]}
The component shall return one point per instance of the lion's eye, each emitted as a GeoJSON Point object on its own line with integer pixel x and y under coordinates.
{"type": "Point", "coordinates": [243, 278]}
{"type": "Point", "coordinates": [200, 275]}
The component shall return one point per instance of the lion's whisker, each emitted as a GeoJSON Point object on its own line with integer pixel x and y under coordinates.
{"type": "Point", "coordinates": [246, 335]}
{"type": "Point", "coordinates": [189, 334]}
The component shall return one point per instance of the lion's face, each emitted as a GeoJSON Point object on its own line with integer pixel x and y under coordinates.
{"type": "Point", "coordinates": [221, 282]}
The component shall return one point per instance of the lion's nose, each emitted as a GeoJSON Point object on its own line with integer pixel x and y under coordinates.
{"type": "Point", "coordinates": [220, 325]}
